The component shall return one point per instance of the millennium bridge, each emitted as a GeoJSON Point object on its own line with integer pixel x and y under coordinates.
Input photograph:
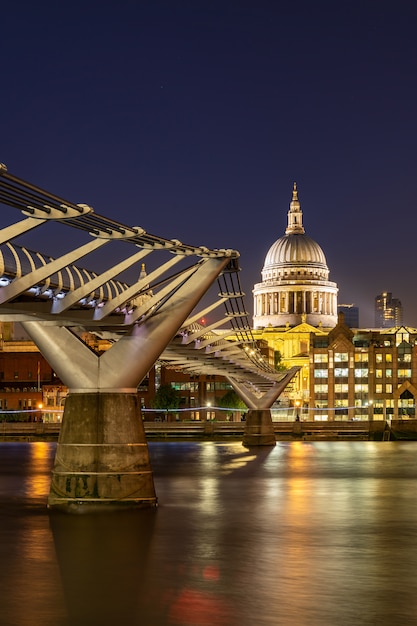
{"type": "Point", "coordinates": [102, 460]}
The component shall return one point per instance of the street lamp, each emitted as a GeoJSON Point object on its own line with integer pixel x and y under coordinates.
{"type": "Point", "coordinates": [297, 404]}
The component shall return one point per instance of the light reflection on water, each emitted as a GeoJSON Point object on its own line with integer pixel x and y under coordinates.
{"type": "Point", "coordinates": [319, 534]}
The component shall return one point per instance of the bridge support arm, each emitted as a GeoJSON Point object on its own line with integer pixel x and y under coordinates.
{"type": "Point", "coordinates": [102, 459]}
{"type": "Point", "coordinates": [259, 429]}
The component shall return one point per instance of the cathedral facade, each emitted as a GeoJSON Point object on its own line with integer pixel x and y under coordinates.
{"type": "Point", "coordinates": [295, 283]}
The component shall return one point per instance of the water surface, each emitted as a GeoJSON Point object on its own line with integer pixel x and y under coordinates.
{"type": "Point", "coordinates": [314, 534]}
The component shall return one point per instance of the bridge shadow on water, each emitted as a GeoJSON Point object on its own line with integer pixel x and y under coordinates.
{"type": "Point", "coordinates": [102, 559]}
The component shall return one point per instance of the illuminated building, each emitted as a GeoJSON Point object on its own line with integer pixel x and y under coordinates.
{"type": "Point", "coordinates": [295, 283]}
{"type": "Point", "coordinates": [366, 374]}
{"type": "Point", "coordinates": [29, 389]}
{"type": "Point", "coordinates": [388, 311]}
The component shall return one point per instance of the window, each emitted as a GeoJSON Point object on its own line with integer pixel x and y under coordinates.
{"type": "Point", "coordinates": [342, 402]}
{"type": "Point", "coordinates": [388, 388]}
{"type": "Point", "coordinates": [340, 357]}
{"type": "Point", "coordinates": [361, 357]}
{"type": "Point", "coordinates": [388, 373]}
{"type": "Point", "coordinates": [378, 388]}
{"type": "Point", "coordinates": [378, 373]}
{"type": "Point", "coordinates": [388, 358]}
{"type": "Point", "coordinates": [341, 388]}
{"type": "Point", "coordinates": [404, 373]}
{"type": "Point", "coordinates": [341, 372]}
{"type": "Point", "coordinates": [320, 373]}
{"type": "Point", "coordinates": [378, 357]}
{"type": "Point", "coordinates": [359, 388]}
{"type": "Point", "coordinates": [321, 358]}
{"type": "Point", "coordinates": [361, 372]}
{"type": "Point", "coordinates": [321, 388]}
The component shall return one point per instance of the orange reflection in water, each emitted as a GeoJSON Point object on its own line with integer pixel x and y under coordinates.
{"type": "Point", "coordinates": [39, 472]}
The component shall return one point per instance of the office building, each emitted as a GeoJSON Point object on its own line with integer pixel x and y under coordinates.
{"type": "Point", "coordinates": [388, 311]}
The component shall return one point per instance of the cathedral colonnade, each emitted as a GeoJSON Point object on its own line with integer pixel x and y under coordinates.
{"type": "Point", "coordinates": [295, 301]}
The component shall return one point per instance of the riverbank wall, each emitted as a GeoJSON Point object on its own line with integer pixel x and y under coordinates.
{"type": "Point", "coordinates": [218, 431]}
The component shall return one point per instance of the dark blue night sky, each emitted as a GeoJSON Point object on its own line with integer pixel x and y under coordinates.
{"type": "Point", "coordinates": [192, 119]}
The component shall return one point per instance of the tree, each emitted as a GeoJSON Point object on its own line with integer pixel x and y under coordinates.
{"type": "Point", "coordinates": [231, 400]}
{"type": "Point", "coordinates": [166, 398]}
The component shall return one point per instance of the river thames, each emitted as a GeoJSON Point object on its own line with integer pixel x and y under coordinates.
{"type": "Point", "coordinates": [302, 534]}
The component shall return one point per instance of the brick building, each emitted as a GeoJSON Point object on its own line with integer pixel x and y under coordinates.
{"type": "Point", "coordinates": [366, 374]}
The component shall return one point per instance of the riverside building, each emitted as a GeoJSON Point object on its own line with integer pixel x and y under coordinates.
{"type": "Point", "coordinates": [366, 374]}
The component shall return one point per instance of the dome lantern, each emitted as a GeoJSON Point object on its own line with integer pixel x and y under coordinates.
{"type": "Point", "coordinates": [295, 215]}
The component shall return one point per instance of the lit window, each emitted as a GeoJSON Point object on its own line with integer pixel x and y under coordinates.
{"type": "Point", "coordinates": [388, 358]}
{"type": "Point", "coordinates": [340, 372]}
{"type": "Point", "coordinates": [321, 388]}
{"type": "Point", "coordinates": [342, 402]}
{"type": "Point", "coordinates": [320, 358]}
{"type": "Point", "coordinates": [320, 373]}
{"type": "Point", "coordinates": [340, 357]}
{"type": "Point", "coordinates": [361, 372]}
{"type": "Point", "coordinates": [360, 388]}
{"type": "Point", "coordinates": [404, 373]}
{"type": "Point", "coordinates": [361, 357]}
{"type": "Point", "coordinates": [388, 373]}
{"type": "Point", "coordinates": [378, 388]}
{"type": "Point", "coordinates": [378, 357]}
{"type": "Point", "coordinates": [341, 388]}
{"type": "Point", "coordinates": [388, 388]}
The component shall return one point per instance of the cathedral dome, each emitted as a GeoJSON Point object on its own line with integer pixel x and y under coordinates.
{"type": "Point", "coordinates": [298, 249]}
{"type": "Point", "coordinates": [295, 252]}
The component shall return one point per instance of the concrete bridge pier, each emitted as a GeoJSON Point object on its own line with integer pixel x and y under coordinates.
{"type": "Point", "coordinates": [259, 430]}
{"type": "Point", "coordinates": [102, 459]}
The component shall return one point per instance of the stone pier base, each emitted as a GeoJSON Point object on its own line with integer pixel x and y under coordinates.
{"type": "Point", "coordinates": [102, 460]}
{"type": "Point", "coordinates": [259, 430]}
